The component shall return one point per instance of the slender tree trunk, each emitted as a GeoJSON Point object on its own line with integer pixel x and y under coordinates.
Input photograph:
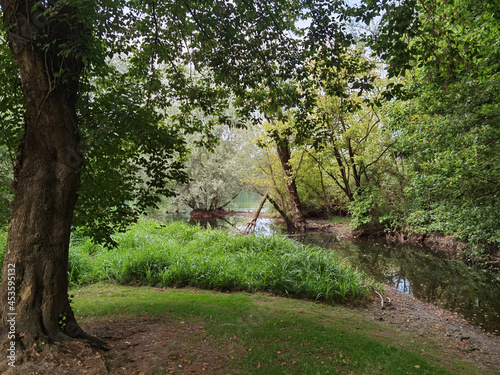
{"type": "Point", "coordinates": [250, 226]}
{"type": "Point", "coordinates": [290, 226]}
{"type": "Point", "coordinates": [284, 155]}
{"type": "Point", "coordinates": [46, 179]}
{"type": "Point", "coordinates": [355, 173]}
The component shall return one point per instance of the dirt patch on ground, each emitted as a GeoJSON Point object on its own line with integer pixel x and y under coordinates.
{"type": "Point", "coordinates": [455, 336]}
{"type": "Point", "coordinates": [136, 346]}
{"type": "Point", "coordinates": [72, 357]}
{"type": "Point", "coordinates": [159, 347]}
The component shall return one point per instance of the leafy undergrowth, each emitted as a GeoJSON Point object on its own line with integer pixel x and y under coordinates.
{"type": "Point", "coordinates": [252, 334]}
{"type": "Point", "coordinates": [178, 254]}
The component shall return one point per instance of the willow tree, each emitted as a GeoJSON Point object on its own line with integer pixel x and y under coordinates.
{"type": "Point", "coordinates": [348, 139]}
{"type": "Point", "coordinates": [214, 175]}
{"type": "Point", "coordinates": [76, 101]}
{"type": "Point", "coordinates": [277, 170]}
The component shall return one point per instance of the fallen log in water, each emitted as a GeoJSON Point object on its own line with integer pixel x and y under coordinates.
{"type": "Point", "coordinates": [250, 226]}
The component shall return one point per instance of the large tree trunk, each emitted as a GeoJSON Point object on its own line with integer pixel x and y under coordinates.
{"type": "Point", "coordinates": [299, 221]}
{"type": "Point", "coordinates": [46, 178]}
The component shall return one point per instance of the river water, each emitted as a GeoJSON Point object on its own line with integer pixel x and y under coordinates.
{"type": "Point", "coordinates": [471, 292]}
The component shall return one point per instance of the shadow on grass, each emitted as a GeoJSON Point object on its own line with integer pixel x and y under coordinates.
{"type": "Point", "coordinates": [276, 335]}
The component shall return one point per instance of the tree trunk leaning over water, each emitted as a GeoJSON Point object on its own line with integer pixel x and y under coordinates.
{"type": "Point", "coordinates": [250, 226]}
{"type": "Point", "coordinates": [46, 178]}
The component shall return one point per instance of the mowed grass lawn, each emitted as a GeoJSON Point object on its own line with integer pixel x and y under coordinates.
{"type": "Point", "coordinates": [274, 335]}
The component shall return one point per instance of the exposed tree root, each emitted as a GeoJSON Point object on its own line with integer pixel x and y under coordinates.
{"type": "Point", "coordinates": [45, 355]}
{"type": "Point", "coordinates": [70, 356]}
{"type": "Point", "coordinates": [383, 303]}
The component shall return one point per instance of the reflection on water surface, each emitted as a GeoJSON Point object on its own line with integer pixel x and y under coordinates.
{"type": "Point", "coordinates": [473, 292]}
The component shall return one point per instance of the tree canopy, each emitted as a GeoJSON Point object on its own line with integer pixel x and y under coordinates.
{"type": "Point", "coordinates": [153, 72]}
{"type": "Point", "coordinates": [100, 97]}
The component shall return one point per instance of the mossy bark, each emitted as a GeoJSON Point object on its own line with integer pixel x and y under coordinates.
{"type": "Point", "coordinates": [47, 175]}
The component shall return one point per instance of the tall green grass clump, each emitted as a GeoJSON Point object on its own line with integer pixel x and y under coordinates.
{"type": "Point", "coordinates": [178, 254]}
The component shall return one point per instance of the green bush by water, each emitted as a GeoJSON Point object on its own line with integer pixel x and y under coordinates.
{"type": "Point", "coordinates": [178, 254]}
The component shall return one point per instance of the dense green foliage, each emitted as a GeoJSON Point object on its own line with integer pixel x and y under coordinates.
{"type": "Point", "coordinates": [453, 148]}
{"type": "Point", "coordinates": [426, 161]}
{"type": "Point", "coordinates": [180, 255]}
{"type": "Point", "coordinates": [447, 124]}
{"type": "Point", "coordinates": [340, 146]}
{"type": "Point", "coordinates": [10, 118]}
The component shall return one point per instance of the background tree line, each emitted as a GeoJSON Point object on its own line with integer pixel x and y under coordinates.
{"type": "Point", "coordinates": [404, 130]}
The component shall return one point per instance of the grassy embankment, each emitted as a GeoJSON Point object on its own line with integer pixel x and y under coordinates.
{"type": "Point", "coordinates": [182, 255]}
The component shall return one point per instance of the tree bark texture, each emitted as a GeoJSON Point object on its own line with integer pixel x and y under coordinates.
{"type": "Point", "coordinates": [47, 175]}
{"type": "Point", "coordinates": [284, 154]}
